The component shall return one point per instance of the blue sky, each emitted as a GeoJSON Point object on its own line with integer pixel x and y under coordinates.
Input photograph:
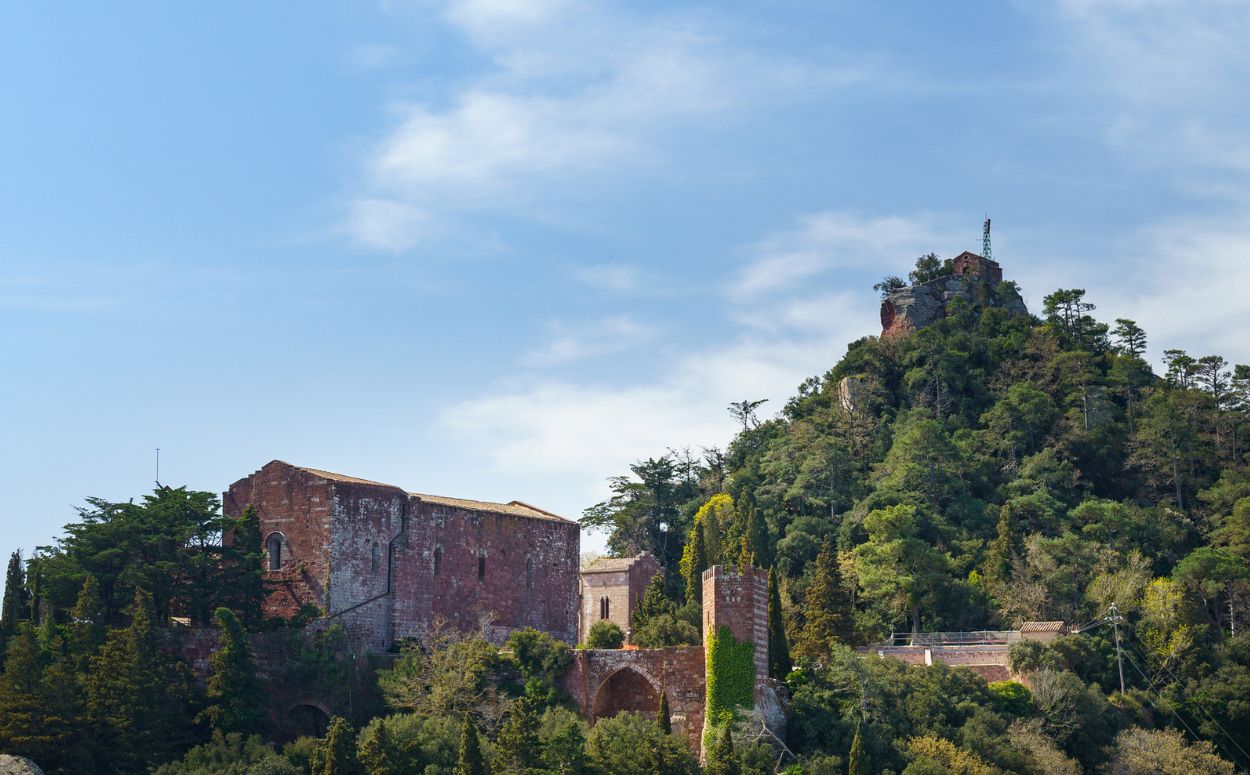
{"type": "Point", "coordinates": [502, 248]}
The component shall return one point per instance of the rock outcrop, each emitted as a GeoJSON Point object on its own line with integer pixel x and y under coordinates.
{"type": "Point", "coordinates": [17, 765]}
{"type": "Point", "coordinates": [975, 279]}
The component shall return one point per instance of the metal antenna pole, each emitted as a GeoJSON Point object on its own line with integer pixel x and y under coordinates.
{"type": "Point", "coordinates": [158, 466]}
{"type": "Point", "coordinates": [986, 253]}
{"type": "Point", "coordinates": [1115, 624]}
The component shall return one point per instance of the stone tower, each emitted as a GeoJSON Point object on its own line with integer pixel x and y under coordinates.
{"type": "Point", "coordinates": [738, 599]}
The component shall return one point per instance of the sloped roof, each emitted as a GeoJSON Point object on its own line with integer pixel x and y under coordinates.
{"type": "Point", "coordinates": [1042, 627]}
{"type": "Point", "coordinates": [513, 508]}
{"type": "Point", "coordinates": [611, 564]}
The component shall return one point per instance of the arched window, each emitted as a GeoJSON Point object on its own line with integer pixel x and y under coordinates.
{"type": "Point", "coordinates": [529, 572]}
{"type": "Point", "coordinates": [375, 558]}
{"type": "Point", "coordinates": [605, 608]}
{"type": "Point", "coordinates": [481, 566]}
{"type": "Point", "coordinates": [274, 547]}
{"type": "Point", "coordinates": [438, 561]}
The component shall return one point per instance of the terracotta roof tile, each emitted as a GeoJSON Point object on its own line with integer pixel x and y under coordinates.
{"type": "Point", "coordinates": [513, 508]}
{"type": "Point", "coordinates": [1041, 627]}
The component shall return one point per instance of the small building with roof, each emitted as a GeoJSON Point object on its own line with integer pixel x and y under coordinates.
{"type": "Point", "coordinates": [612, 588]}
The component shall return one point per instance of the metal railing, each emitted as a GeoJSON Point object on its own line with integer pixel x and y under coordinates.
{"type": "Point", "coordinates": [962, 638]}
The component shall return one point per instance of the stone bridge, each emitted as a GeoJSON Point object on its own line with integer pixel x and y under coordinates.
{"type": "Point", "coordinates": [605, 682]}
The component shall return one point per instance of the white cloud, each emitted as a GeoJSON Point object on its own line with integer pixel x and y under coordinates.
{"type": "Point", "coordinates": [575, 89]}
{"type": "Point", "coordinates": [830, 239]}
{"type": "Point", "coordinates": [618, 278]}
{"type": "Point", "coordinates": [386, 223]}
{"type": "Point", "coordinates": [602, 337]}
{"type": "Point", "coordinates": [1169, 76]}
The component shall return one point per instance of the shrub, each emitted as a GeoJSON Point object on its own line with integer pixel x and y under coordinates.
{"type": "Point", "coordinates": [605, 634]}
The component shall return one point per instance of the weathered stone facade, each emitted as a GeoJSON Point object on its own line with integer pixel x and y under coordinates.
{"type": "Point", "coordinates": [612, 589]}
{"type": "Point", "coordinates": [387, 563]}
{"type": "Point", "coordinates": [975, 280]}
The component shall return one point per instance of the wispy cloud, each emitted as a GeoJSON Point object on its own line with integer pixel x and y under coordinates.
{"type": "Point", "coordinates": [618, 278]}
{"type": "Point", "coordinates": [601, 337]}
{"type": "Point", "coordinates": [821, 241]}
{"type": "Point", "coordinates": [574, 89]}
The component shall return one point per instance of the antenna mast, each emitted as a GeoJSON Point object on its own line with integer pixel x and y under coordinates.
{"type": "Point", "coordinates": [986, 253]}
{"type": "Point", "coordinates": [158, 466]}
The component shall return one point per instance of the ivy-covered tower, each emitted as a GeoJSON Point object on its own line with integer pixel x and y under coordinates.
{"type": "Point", "coordinates": [735, 637]}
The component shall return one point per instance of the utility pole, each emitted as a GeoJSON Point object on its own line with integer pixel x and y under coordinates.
{"type": "Point", "coordinates": [1115, 623]}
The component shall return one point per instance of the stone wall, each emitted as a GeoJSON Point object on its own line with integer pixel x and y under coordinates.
{"type": "Point", "coordinates": [622, 582]}
{"type": "Point", "coordinates": [604, 682]}
{"type": "Point", "coordinates": [975, 280]}
{"type": "Point", "coordinates": [365, 553]}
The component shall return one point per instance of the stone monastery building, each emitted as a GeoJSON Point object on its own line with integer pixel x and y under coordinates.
{"type": "Point", "coordinates": [386, 562]}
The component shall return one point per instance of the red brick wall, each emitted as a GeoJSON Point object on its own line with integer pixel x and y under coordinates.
{"type": "Point", "coordinates": [738, 600]}
{"type": "Point", "coordinates": [364, 553]}
{"type": "Point", "coordinates": [510, 596]}
{"type": "Point", "coordinates": [299, 507]}
{"type": "Point", "coordinates": [597, 684]}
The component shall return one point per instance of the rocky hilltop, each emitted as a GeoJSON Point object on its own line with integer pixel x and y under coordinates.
{"type": "Point", "coordinates": [975, 279]}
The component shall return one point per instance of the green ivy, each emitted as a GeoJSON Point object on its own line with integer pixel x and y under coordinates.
{"type": "Point", "coordinates": [730, 676]}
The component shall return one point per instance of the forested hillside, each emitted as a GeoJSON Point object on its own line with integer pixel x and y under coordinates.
{"type": "Point", "coordinates": [982, 472]}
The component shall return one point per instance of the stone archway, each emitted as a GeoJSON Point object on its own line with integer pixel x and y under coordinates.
{"type": "Point", "coordinates": [626, 690]}
{"type": "Point", "coordinates": [309, 718]}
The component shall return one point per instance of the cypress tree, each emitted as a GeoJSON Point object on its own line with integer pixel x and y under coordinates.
{"type": "Point", "coordinates": [14, 603]}
{"type": "Point", "coordinates": [746, 557]}
{"type": "Point", "coordinates": [233, 686]}
{"type": "Point", "coordinates": [825, 606]}
{"type": "Point", "coordinates": [721, 759]}
{"type": "Point", "coordinates": [377, 751]}
{"type": "Point", "coordinates": [655, 602]}
{"type": "Point", "coordinates": [518, 748]}
{"type": "Point", "coordinates": [21, 703]}
{"type": "Point", "coordinates": [470, 761]}
{"type": "Point", "coordinates": [86, 626]}
{"type": "Point", "coordinates": [338, 752]}
{"type": "Point", "coordinates": [779, 663]}
{"type": "Point", "coordinates": [663, 719]}
{"type": "Point", "coordinates": [857, 761]}
{"type": "Point", "coordinates": [757, 531]}
{"type": "Point", "coordinates": [696, 565]}
{"type": "Point", "coordinates": [242, 571]}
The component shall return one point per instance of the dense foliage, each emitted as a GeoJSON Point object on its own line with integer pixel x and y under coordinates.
{"type": "Point", "coordinates": [982, 472]}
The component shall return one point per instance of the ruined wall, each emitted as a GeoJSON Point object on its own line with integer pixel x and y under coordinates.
{"type": "Point", "coordinates": [364, 552]}
{"type": "Point", "coordinates": [298, 507]}
{"type": "Point", "coordinates": [604, 682]}
{"type": "Point", "coordinates": [527, 576]}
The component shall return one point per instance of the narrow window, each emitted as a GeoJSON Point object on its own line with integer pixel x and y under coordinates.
{"type": "Point", "coordinates": [375, 558]}
{"type": "Point", "coordinates": [481, 566]}
{"type": "Point", "coordinates": [438, 561]}
{"type": "Point", "coordinates": [605, 608]}
{"type": "Point", "coordinates": [274, 547]}
{"type": "Point", "coordinates": [529, 572]}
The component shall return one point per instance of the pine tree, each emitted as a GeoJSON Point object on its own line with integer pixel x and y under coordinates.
{"type": "Point", "coordinates": [757, 532]}
{"type": "Point", "coordinates": [338, 751]}
{"type": "Point", "coordinates": [470, 761]}
{"type": "Point", "coordinates": [695, 565]}
{"type": "Point", "coordinates": [779, 663]}
{"type": "Point", "coordinates": [721, 759]}
{"type": "Point", "coordinates": [663, 718]}
{"type": "Point", "coordinates": [377, 751]}
{"type": "Point", "coordinates": [21, 701]}
{"type": "Point", "coordinates": [138, 696]}
{"type": "Point", "coordinates": [233, 686]}
{"type": "Point", "coordinates": [1003, 549]}
{"type": "Point", "coordinates": [242, 571]}
{"type": "Point", "coordinates": [86, 628]}
{"type": "Point", "coordinates": [655, 602]}
{"type": "Point", "coordinates": [825, 606]}
{"type": "Point", "coordinates": [857, 760]}
{"type": "Point", "coordinates": [517, 748]}
{"type": "Point", "coordinates": [15, 599]}
{"type": "Point", "coordinates": [746, 556]}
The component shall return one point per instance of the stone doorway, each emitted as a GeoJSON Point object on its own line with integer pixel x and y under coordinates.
{"type": "Point", "coordinates": [625, 690]}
